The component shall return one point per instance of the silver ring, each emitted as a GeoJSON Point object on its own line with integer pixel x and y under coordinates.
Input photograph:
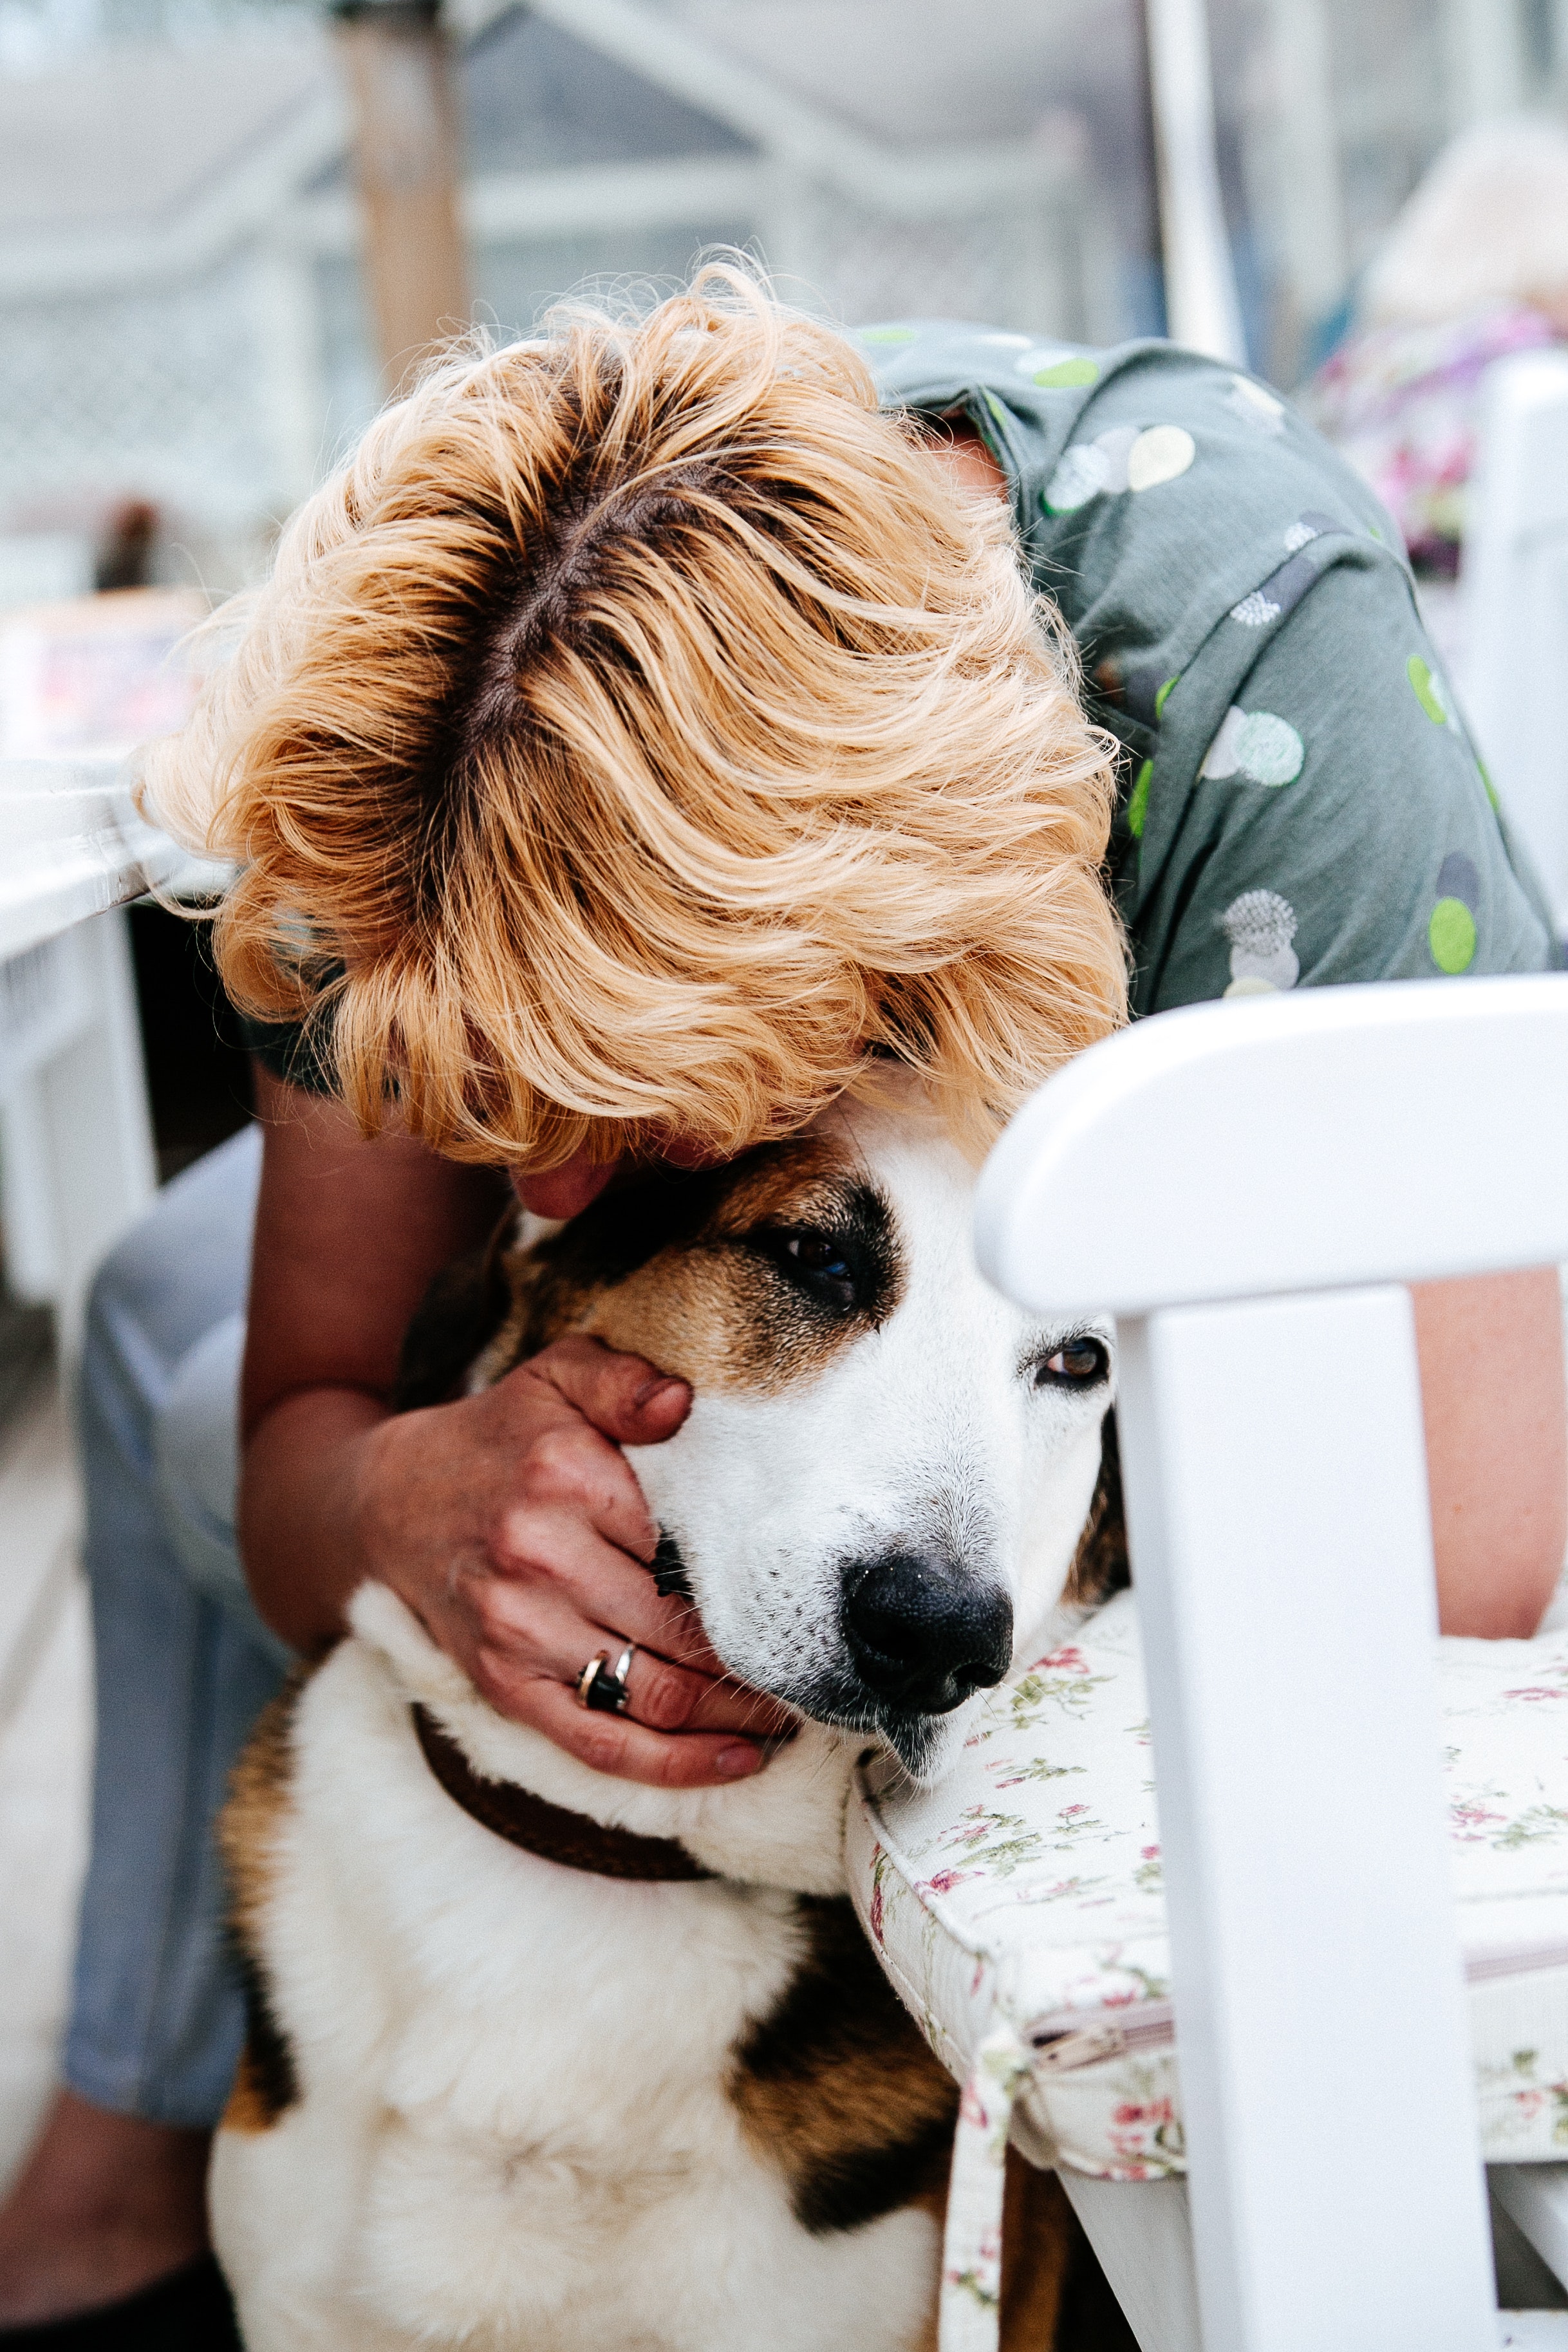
{"type": "Point", "coordinates": [603, 1686]}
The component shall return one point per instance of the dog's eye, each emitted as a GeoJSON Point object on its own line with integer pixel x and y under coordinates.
{"type": "Point", "coordinates": [818, 1263]}
{"type": "Point", "coordinates": [814, 1253]}
{"type": "Point", "coordinates": [1077, 1364]}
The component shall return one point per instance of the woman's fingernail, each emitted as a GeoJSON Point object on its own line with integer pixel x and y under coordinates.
{"type": "Point", "coordinates": [656, 1388]}
{"type": "Point", "coordinates": [736, 1761]}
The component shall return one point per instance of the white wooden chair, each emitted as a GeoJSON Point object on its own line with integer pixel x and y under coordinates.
{"type": "Point", "coordinates": [1514, 603]}
{"type": "Point", "coordinates": [1248, 1187]}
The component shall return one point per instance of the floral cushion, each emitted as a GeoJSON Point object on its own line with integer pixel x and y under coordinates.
{"type": "Point", "coordinates": [1019, 1910]}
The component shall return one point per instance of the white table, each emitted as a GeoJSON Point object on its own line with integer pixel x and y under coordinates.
{"type": "Point", "coordinates": [75, 1142]}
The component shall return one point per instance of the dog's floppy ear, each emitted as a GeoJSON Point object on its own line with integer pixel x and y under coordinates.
{"type": "Point", "coordinates": [1099, 1565]}
{"type": "Point", "coordinates": [459, 1316]}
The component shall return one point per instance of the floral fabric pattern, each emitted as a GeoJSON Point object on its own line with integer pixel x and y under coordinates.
{"type": "Point", "coordinates": [1402, 405]}
{"type": "Point", "coordinates": [971, 2245]}
{"type": "Point", "coordinates": [1025, 1897]}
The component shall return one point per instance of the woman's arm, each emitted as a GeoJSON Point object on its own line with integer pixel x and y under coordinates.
{"type": "Point", "coordinates": [1492, 1395]}
{"type": "Point", "coordinates": [510, 1523]}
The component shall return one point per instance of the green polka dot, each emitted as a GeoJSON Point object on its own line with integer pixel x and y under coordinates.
{"type": "Point", "coordinates": [887, 334]}
{"type": "Point", "coordinates": [1137, 806]}
{"type": "Point", "coordinates": [1160, 698]}
{"type": "Point", "coordinates": [1451, 935]}
{"type": "Point", "coordinates": [1066, 374]}
{"type": "Point", "coordinates": [995, 405]}
{"type": "Point", "coordinates": [1425, 688]}
{"type": "Point", "coordinates": [1491, 788]}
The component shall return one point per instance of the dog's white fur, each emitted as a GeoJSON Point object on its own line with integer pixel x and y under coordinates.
{"type": "Point", "coordinates": [514, 2130]}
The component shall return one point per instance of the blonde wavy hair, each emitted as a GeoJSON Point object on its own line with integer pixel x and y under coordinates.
{"type": "Point", "coordinates": [639, 735]}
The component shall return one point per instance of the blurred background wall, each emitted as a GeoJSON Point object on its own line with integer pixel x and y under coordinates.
{"type": "Point", "coordinates": [182, 316]}
{"type": "Point", "coordinates": [184, 339]}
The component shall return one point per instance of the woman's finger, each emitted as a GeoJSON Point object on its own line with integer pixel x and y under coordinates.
{"type": "Point", "coordinates": [538, 1631]}
{"type": "Point", "coordinates": [549, 1548]}
{"type": "Point", "coordinates": [625, 1397]}
{"type": "Point", "coordinates": [627, 1751]}
{"type": "Point", "coordinates": [670, 1698]}
{"type": "Point", "coordinates": [567, 1463]}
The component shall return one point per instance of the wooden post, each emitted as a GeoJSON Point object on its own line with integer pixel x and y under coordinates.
{"type": "Point", "coordinates": [405, 152]}
{"type": "Point", "coordinates": [1202, 308]}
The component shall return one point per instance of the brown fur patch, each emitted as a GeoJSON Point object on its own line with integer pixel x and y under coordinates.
{"type": "Point", "coordinates": [459, 1316]}
{"type": "Point", "coordinates": [1099, 1565]}
{"type": "Point", "coordinates": [691, 1271]}
{"type": "Point", "coordinates": [837, 2088]}
{"type": "Point", "coordinates": [266, 2083]}
{"type": "Point", "coordinates": [1055, 2296]}
{"type": "Point", "coordinates": [1039, 2240]}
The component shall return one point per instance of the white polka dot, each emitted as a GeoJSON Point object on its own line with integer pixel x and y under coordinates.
{"type": "Point", "coordinates": [1268, 749]}
{"type": "Point", "coordinates": [1159, 456]}
{"type": "Point", "coordinates": [1257, 746]}
{"type": "Point", "coordinates": [1080, 476]}
{"type": "Point", "coordinates": [1223, 758]}
{"type": "Point", "coordinates": [1258, 407]}
{"type": "Point", "coordinates": [1254, 612]}
{"type": "Point", "coordinates": [1002, 343]}
{"type": "Point", "coordinates": [1250, 973]}
{"type": "Point", "coordinates": [1260, 926]}
{"type": "Point", "coordinates": [1116, 447]}
{"type": "Point", "coordinates": [1041, 355]}
{"type": "Point", "coordinates": [1260, 923]}
{"type": "Point", "coordinates": [1301, 534]}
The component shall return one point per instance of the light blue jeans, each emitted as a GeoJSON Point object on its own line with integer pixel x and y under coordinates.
{"type": "Point", "coordinates": [184, 1665]}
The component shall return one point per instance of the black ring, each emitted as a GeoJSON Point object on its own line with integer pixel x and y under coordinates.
{"type": "Point", "coordinates": [607, 1692]}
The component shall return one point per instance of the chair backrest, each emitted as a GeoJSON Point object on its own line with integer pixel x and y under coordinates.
{"type": "Point", "coordinates": [1514, 602]}
{"type": "Point", "coordinates": [1248, 1186]}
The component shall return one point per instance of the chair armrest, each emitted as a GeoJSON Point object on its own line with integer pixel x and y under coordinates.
{"type": "Point", "coordinates": [1336, 1137]}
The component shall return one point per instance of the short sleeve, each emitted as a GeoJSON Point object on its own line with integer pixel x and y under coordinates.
{"type": "Point", "coordinates": [1340, 827]}
{"type": "Point", "coordinates": [1299, 802]}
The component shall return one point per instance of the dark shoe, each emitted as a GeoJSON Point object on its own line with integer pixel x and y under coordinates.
{"type": "Point", "coordinates": [190, 2312]}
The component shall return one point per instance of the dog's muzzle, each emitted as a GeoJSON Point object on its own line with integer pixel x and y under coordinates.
{"type": "Point", "coordinates": [923, 1632]}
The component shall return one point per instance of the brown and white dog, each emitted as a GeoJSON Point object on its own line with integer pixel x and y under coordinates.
{"type": "Point", "coordinates": [546, 2061]}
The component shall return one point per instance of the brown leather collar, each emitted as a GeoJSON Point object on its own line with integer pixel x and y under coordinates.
{"type": "Point", "coordinates": [574, 1840]}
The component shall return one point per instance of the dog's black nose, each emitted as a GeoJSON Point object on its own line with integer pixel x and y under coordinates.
{"type": "Point", "coordinates": [925, 1633]}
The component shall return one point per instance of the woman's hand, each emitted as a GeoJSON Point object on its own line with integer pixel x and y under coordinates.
{"type": "Point", "coordinates": [513, 1527]}
{"type": "Point", "coordinates": [510, 1522]}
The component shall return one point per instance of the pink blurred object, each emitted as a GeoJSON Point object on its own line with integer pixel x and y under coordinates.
{"type": "Point", "coordinates": [1401, 403]}
{"type": "Point", "coordinates": [96, 676]}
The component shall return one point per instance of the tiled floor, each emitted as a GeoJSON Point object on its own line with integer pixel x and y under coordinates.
{"type": "Point", "coordinates": [45, 1719]}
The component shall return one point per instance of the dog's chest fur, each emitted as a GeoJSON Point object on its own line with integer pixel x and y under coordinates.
{"type": "Point", "coordinates": [591, 2111]}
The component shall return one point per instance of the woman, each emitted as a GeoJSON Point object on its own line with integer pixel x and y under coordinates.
{"type": "Point", "coordinates": [650, 732]}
